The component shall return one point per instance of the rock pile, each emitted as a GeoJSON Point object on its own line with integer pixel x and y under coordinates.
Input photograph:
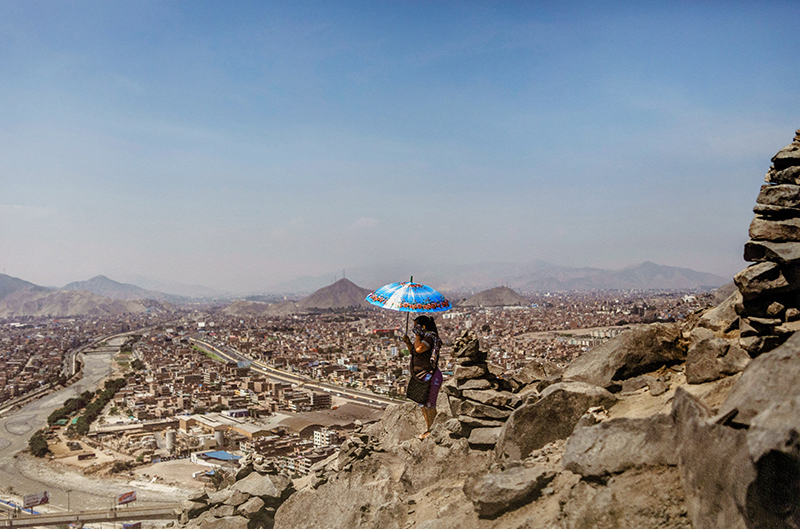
{"type": "Point", "coordinates": [769, 306]}
{"type": "Point", "coordinates": [249, 503]}
{"type": "Point", "coordinates": [479, 401]}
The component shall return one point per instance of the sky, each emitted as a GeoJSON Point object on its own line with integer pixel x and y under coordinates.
{"type": "Point", "coordinates": [239, 145]}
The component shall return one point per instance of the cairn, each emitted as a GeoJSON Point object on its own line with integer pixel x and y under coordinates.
{"type": "Point", "coordinates": [769, 308]}
{"type": "Point", "coordinates": [480, 401]}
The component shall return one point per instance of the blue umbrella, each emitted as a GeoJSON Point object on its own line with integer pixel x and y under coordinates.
{"type": "Point", "coordinates": [409, 297]}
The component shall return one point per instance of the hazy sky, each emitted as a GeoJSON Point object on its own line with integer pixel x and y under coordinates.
{"type": "Point", "coordinates": [238, 145]}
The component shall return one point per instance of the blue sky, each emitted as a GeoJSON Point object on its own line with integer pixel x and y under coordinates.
{"type": "Point", "coordinates": [239, 145]}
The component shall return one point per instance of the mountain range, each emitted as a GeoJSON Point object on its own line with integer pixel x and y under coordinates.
{"type": "Point", "coordinates": [494, 297]}
{"type": "Point", "coordinates": [103, 286]}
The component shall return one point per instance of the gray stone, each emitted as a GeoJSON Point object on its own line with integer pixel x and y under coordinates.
{"type": "Point", "coordinates": [221, 511]}
{"type": "Point", "coordinates": [723, 315]}
{"type": "Point", "coordinates": [484, 437]}
{"type": "Point", "coordinates": [638, 498]}
{"type": "Point", "coordinates": [771, 378]}
{"type": "Point", "coordinates": [613, 446]}
{"type": "Point", "coordinates": [489, 397]}
{"type": "Point", "coordinates": [782, 195]}
{"type": "Point", "coordinates": [776, 212]}
{"type": "Point", "coordinates": [790, 175]}
{"type": "Point", "coordinates": [714, 464]}
{"type": "Point", "coordinates": [477, 383]}
{"type": "Point", "coordinates": [637, 383]}
{"type": "Point", "coordinates": [792, 314]}
{"type": "Point", "coordinates": [775, 309]}
{"type": "Point", "coordinates": [271, 488]}
{"type": "Point", "coordinates": [640, 350]}
{"type": "Point", "coordinates": [711, 358]}
{"type": "Point", "coordinates": [761, 278]}
{"type": "Point", "coordinates": [474, 422]}
{"type": "Point", "coordinates": [219, 496]}
{"type": "Point", "coordinates": [466, 346]}
{"type": "Point", "coordinates": [779, 252]}
{"type": "Point", "coordinates": [468, 372]}
{"type": "Point", "coordinates": [229, 522]}
{"type": "Point", "coordinates": [496, 493]}
{"type": "Point", "coordinates": [789, 156]}
{"type": "Point", "coordinates": [762, 229]}
{"type": "Point", "coordinates": [481, 411]}
{"type": "Point", "coordinates": [552, 417]}
{"type": "Point", "coordinates": [244, 471]}
{"type": "Point", "coordinates": [250, 507]}
{"type": "Point", "coordinates": [193, 509]}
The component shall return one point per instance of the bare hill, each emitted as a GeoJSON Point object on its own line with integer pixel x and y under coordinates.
{"type": "Point", "coordinates": [494, 297]}
{"type": "Point", "coordinates": [243, 307]}
{"type": "Point", "coordinates": [342, 294]}
{"type": "Point", "coordinates": [42, 302]}
{"type": "Point", "coordinates": [108, 288]}
{"type": "Point", "coordinates": [9, 285]}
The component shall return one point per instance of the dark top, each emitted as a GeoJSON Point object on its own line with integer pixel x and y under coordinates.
{"type": "Point", "coordinates": [421, 362]}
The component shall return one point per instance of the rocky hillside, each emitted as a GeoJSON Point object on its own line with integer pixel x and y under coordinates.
{"type": "Point", "coordinates": [108, 288]}
{"type": "Point", "coordinates": [683, 425]}
{"type": "Point", "coordinates": [340, 295]}
{"type": "Point", "coordinates": [44, 302]}
{"type": "Point", "coordinates": [9, 285]}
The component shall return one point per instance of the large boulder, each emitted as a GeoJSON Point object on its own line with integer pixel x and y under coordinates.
{"type": "Point", "coordinates": [771, 378]}
{"type": "Point", "coordinates": [640, 350]}
{"type": "Point", "coordinates": [638, 498]}
{"type": "Point", "coordinates": [553, 416]}
{"type": "Point", "coordinates": [495, 493]}
{"type": "Point", "coordinates": [711, 358]}
{"type": "Point", "coordinates": [400, 422]}
{"type": "Point", "coordinates": [613, 446]}
{"type": "Point", "coordinates": [273, 489]}
{"type": "Point", "coordinates": [721, 317]}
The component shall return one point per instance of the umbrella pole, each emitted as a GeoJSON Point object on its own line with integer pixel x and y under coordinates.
{"type": "Point", "coordinates": [408, 313]}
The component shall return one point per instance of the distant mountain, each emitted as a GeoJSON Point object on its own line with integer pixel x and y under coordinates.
{"type": "Point", "coordinates": [646, 276]}
{"type": "Point", "coordinates": [103, 286]}
{"type": "Point", "coordinates": [9, 285]}
{"type": "Point", "coordinates": [495, 297]}
{"type": "Point", "coordinates": [535, 276]}
{"type": "Point", "coordinates": [37, 301]}
{"type": "Point", "coordinates": [342, 294]}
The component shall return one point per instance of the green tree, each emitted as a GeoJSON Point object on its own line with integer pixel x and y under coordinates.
{"type": "Point", "coordinates": [38, 444]}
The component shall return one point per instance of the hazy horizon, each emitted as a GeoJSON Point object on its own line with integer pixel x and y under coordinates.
{"type": "Point", "coordinates": [239, 146]}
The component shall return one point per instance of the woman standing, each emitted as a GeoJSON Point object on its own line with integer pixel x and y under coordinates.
{"type": "Point", "coordinates": [424, 363]}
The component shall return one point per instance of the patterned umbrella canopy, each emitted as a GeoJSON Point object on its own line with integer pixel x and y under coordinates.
{"type": "Point", "coordinates": [409, 297]}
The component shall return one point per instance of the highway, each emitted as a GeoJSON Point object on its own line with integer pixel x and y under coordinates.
{"type": "Point", "coordinates": [362, 397]}
{"type": "Point", "coordinates": [120, 514]}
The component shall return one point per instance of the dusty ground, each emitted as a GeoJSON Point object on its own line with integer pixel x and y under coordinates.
{"type": "Point", "coordinates": [177, 472]}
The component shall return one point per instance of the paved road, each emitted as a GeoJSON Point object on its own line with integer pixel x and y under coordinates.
{"type": "Point", "coordinates": [28, 477]}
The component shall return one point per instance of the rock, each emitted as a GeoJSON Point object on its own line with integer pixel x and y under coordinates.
{"type": "Point", "coordinates": [237, 498]}
{"type": "Point", "coordinates": [616, 445]}
{"type": "Point", "coordinates": [723, 315]}
{"type": "Point", "coordinates": [638, 498]}
{"type": "Point", "coordinates": [482, 411]}
{"type": "Point", "coordinates": [710, 358]}
{"type": "Point", "coordinates": [474, 422]}
{"type": "Point", "coordinates": [466, 346]}
{"type": "Point", "coordinates": [495, 493]}
{"type": "Point", "coordinates": [635, 352]}
{"type": "Point", "coordinates": [468, 372]}
{"type": "Point", "coordinates": [478, 383]}
{"type": "Point", "coordinates": [771, 378]}
{"type": "Point", "coordinates": [762, 278]}
{"type": "Point", "coordinates": [221, 511]}
{"type": "Point", "coordinates": [782, 195]}
{"type": "Point", "coordinates": [400, 422]}
{"type": "Point", "coordinates": [273, 489]}
{"type": "Point", "coordinates": [779, 252]}
{"type": "Point", "coordinates": [193, 509]}
{"type": "Point", "coordinates": [484, 437]}
{"type": "Point", "coordinates": [229, 522]}
{"type": "Point", "coordinates": [637, 383]}
{"type": "Point", "coordinates": [775, 212]}
{"type": "Point", "coordinates": [219, 497]}
{"type": "Point", "coordinates": [714, 464]}
{"type": "Point", "coordinates": [552, 417]}
{"type": "Point", "coordinates": [244, 471]}
{"type": "Point", "coordinates": [250, 507]}
{"type": "Point", "coordinates": [762, 229]}
{"type": "Point", "coordinates": [790, 175]}
{"type": "Point", "coordinates": [489, 397]}
{"type": "Point", "coordinates": [792, 314]}
{"type": "Point", "coordinates": [789, 156]}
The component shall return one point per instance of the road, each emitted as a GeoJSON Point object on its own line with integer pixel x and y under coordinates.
{"type": "Point", "coordinates": [28, 476]}
{"type": "Point", "coordinates": [362, 397]}
{"type": "Point", "coordinates": [122, 514]}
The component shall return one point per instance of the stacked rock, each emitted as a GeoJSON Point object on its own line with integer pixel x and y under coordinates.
{"type": "Point", "coordinates": [479, 400]}
{"type": "Point", "coordinates": [770, 306]}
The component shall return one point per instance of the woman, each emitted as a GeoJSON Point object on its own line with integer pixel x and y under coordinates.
{"type": "Point", "coordinates": [424, 363]}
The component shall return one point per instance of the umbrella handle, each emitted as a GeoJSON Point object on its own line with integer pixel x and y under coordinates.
{"type": "Point", "coordinates": [408, 313]}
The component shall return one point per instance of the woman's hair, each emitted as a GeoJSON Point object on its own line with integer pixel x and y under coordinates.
{"type": "Point", "coordinates": [427, 323]}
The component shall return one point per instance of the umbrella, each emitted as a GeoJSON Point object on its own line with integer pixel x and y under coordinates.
{"type": "Point", "coordinates": [409, 297]}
